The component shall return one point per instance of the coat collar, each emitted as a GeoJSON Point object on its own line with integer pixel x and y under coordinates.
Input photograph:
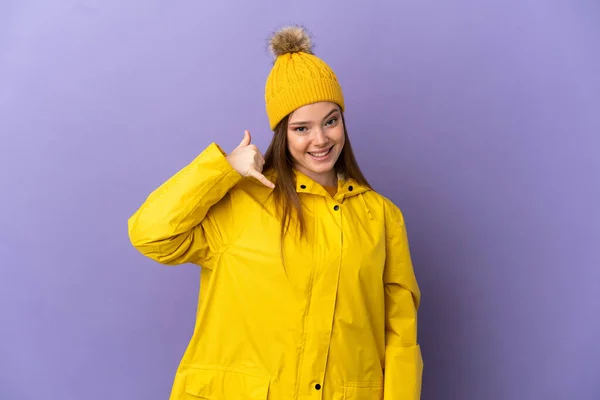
{"type": "Point", "coordinates": [304, 184]}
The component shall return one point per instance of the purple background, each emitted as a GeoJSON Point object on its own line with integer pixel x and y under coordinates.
{"type": "Point", "coordinates": [481, 120]}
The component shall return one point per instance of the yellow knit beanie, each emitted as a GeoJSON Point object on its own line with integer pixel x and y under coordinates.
{"type": "Point", "coordinates": [298, 77]}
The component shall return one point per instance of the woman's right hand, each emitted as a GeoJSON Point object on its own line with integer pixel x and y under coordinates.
{"type": "Point", "coordinates": [247, 160]}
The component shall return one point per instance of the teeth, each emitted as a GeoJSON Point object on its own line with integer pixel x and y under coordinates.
{"type": "Point", "coordinates": [324, 153]}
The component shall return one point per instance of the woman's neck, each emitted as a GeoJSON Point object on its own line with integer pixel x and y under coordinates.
{"type": "Point", "coordinates": [324, 179]}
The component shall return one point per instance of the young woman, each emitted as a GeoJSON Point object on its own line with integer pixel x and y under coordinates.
{"type": "Point", "coordinates": [307, 286]}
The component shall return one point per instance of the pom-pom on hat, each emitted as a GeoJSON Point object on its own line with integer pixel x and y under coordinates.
{"type": "Point", "coordinates": [298, 77]}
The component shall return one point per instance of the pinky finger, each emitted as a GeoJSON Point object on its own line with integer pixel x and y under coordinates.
{"type": "Point", "coordinates": [254, 173]}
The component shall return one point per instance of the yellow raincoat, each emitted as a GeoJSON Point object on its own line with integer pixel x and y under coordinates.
{"type": "Point", "coordinates": [337, 320]}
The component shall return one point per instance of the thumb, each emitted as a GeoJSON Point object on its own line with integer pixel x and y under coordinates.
{"type": "Point", "coordinates": [246, 140]}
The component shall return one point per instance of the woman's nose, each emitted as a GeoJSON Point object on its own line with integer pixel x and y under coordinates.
{"type": "Point", "coordinates": [320, 137]}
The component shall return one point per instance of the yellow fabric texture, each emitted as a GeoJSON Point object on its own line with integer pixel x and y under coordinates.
{"type": "Point", "coordinates": [298, 79]}
{"type": "Point", "coordinates": [336, 320]}
{"type": "Point", "coordinates": [332, 190]}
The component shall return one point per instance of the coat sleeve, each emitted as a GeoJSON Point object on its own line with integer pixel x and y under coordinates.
{"type": "Point", "coordinates": [175, 224]}
{"type": "Point", "coordinates": [403, 361]}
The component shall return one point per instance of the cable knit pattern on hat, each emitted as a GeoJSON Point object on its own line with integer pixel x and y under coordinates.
{"type": "Point", "coordinates": [298, 77]}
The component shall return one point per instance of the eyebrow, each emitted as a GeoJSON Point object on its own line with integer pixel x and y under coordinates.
{"type": "Point", "coordinates": [307, 122]}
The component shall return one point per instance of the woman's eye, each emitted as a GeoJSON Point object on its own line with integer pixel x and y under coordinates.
{"type": "Point", "coordinates": [300, 129]}
{"type": "Point", "coordinates": [332, 121]}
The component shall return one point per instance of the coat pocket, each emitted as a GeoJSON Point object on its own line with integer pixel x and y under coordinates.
{"type": "Point", "coordinates": [213, 384]}
{"type": "Point", "coordinates": [363, 391]}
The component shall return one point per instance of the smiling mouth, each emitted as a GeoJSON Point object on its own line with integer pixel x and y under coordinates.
{"type": "Point", "coordinates": [322, 153]}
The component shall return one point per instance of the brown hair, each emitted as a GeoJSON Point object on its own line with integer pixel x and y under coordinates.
{"type": "Point", "coordinates": [279, 159]}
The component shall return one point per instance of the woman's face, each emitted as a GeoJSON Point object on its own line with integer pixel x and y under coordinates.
{"type": "Point", "coordinates": [315, 138]}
